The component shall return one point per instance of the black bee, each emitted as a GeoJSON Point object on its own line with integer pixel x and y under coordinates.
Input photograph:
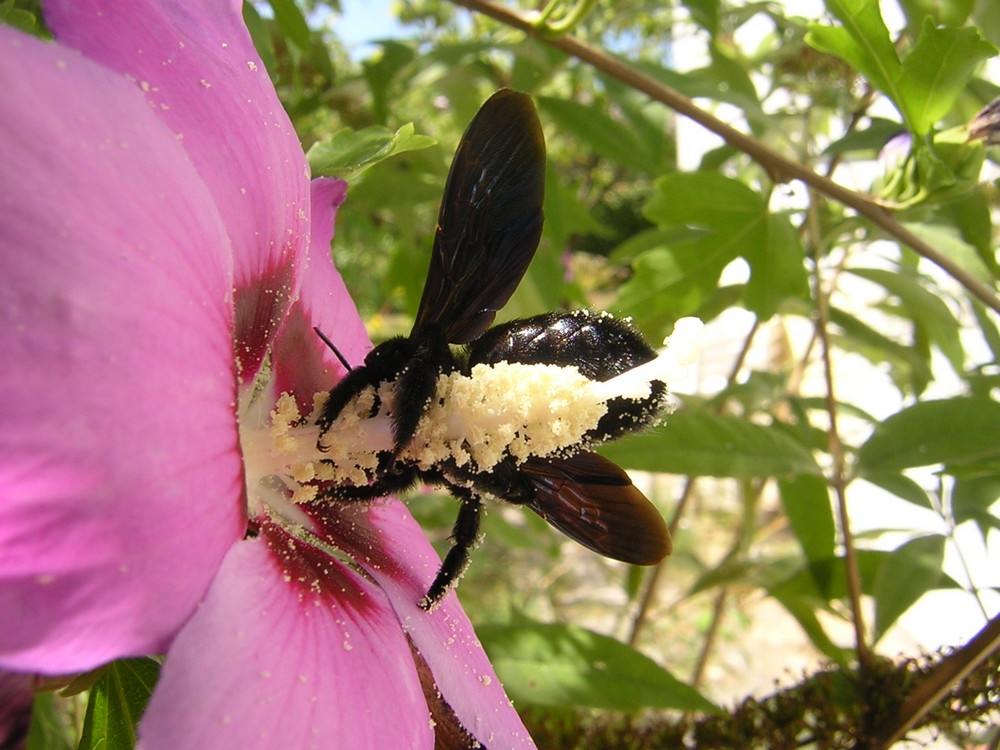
{"type": "Point", "coordinates": [488, 228]}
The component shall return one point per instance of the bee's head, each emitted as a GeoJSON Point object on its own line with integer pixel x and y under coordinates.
{"type": "Point", "coordinates": [389, 358]}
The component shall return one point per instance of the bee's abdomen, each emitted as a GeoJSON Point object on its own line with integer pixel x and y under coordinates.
{"type": "Point", "coordinates": [600, 345]}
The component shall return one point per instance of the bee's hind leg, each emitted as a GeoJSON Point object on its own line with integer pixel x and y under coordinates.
{"type": "Point", "coordinates": [465, 536]}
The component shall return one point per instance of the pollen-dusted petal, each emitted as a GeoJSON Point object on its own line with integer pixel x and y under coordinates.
{"type": "Point", "coordinates": [302, 363]}
{"type": "Point", "coordinates": [198, 69]}
{"type": "Point", "coordinates": [120, 479]}
{"type": "Point", "coordinates": [289, 650]}
{"type": "Point", "coordinates": [392, 548]}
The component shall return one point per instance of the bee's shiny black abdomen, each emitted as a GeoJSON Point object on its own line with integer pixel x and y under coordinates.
{"type": "Point", "coordinates": [601, 346]}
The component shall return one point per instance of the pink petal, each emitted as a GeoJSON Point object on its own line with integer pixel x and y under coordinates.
{"type": "Point", "coordinates": [392, 548]}
{"type": "Point", "coordinates": [302, 364]}
{"type": "Point", "coordinates": [198, 68]}
{"type": "Point", "coordinates": [120, 476]}
{"type": "Point", "coordinates": [296, 652]}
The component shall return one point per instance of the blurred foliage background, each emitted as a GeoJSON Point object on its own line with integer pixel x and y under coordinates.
{"type": "Point", "coordinates": [832, 476]}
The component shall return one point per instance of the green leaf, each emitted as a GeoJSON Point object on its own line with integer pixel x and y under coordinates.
{"type": "Point", "coordinates": [936, 71]}
{"type": "Point", "coordinates": [733, 221]}
{"type": "Point", "coordinates": [777, 270]}
{"type": "Point", "coordinates": [990, 330]}
{"type": "Point", "coordinates": [381, 71]}
{"type": "Point", "coordinates": [807, 504]}
{"type": "Point", "coordinates": [970, 213]}
{"type": "Point", "coordinates": [19, 18]}
{"type": "Point", "coordinates": [702, 444]}
{"type": "Point", "coordinates": [116, 704]}
{"type": "Point", "coordinates": [727, 72]}
{"type": "Point", "coordinates": [871, 138]}
{"type": "Point", "coordinates": [925, 85]}
{"type": "Point", "coordinates": [565, 213]}
{"type": "Point", "coordinates": [651, 123]}
{"type": "Point", "coordinates": [705, 13]}
{"type": "Point", "coordinates": [648, 240]}
{"type": "Point", "coordinates": [948, 239]}
{"type": "Point", "coordinates": [909, 573]}
{"type": "Point", "coordinates": [910, 370]}
{"type": "Point", "coordinates": [902, 487]}
{"type": "Point", "coordinates": [949, 431]}
{"type": "Point", "coordinates": [566, 666]}
{"type": "Point", "coordinates": [951, 12]}
{"type": "Point", "coordinates": [972, 499]}
{"type": "Point", "coordinates": [48, 726]}
{"type": "Point", "coordinates": [291, 22]}
{"type": "Point", "coordinates": [610, 138]}
{"type": "Point", "coordinates": [870, 562]}
{"type": "Point", "coordinates": [667, 284]}
{"type": "Point", "coordinates": [708, 200]}
{"type": "Point", "coordinates": [800, 596]}
{"type": "Point", "coordinates": [738, 223]}
{"type": "Point", "coordinates": [923, 307]}
{"type": "Point", "coordinates": [350, 152]}
{"type": "Point", "coordinates": [863, 41]}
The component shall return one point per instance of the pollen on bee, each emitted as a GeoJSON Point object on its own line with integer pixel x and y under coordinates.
{"type": "Point", "coordinates": [679, 351]}
{"type": "Point", "coordinates": [504, 409]}
{"type": "Point", "coordinates": [496, 411]}
{"type": "Point", "coordinates": [352, 444]}
{"type": "Point", "coordinates": [519, 410]}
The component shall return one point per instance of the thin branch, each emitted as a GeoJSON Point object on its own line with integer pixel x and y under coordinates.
{"type": "Point", "coordinates": [943, 507]}
{"type": "Point", "coordinates": [838, 472]}
{"type": "Point", "coordinates": [718, 611]}
{"type": "Point", "coordinates": [751, 493]}
{"type": "Point", "coordinates": [652, 582]}
{"type": "Point", "coordinates": [779, 166]}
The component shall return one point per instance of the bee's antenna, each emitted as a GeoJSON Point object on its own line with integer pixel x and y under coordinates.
{"type": "Point", "coordinates": [333, 348]}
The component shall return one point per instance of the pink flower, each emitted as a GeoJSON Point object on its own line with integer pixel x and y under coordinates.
{"type": "Point", "coordinates": [163, 258]}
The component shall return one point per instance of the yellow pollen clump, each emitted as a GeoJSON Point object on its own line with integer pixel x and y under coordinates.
{"type": "Point", "coordinates": [505, 409]}
{"type": "Point", "coordinates": [284, 417]}
{"type": "Point", "coordinates": [353, 441]}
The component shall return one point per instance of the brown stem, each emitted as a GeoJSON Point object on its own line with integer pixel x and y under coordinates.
{"type": "Point", "coordinates": [838, 473]}
{"type": "Point", "coordinates": [780, 167]}
{"type": "Point", "coordinates": [751, 494]}
{"type": "Point", "coordinates": [718, 611]}
{"type": "Point", "coordinates": [652, 581]}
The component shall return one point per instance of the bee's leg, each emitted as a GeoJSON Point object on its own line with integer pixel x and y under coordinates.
{"type": "Point", "coordinates": [388, 481]}
{"type": "Point", "coordinates": [417, 383]}
{"type": "Point", "coordinates": [348, 388]}
{"type": "Point", "coordinates": [367, 492]}
{"type": "Point", "coordinates": [465, 535]}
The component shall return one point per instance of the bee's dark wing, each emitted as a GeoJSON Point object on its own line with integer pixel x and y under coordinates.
{"type": "Point", "coordinates": [592, 500]}
{"type": "Point", "coordinates": [490, 219]}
